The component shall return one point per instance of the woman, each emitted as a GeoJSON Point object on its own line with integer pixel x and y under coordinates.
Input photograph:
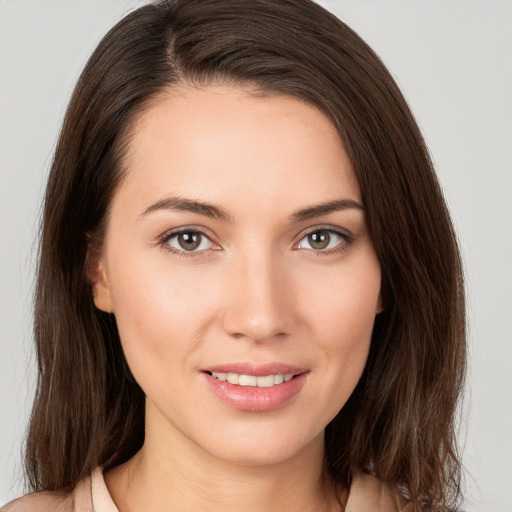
{"type": "Point", "coordinates": [249, 291]}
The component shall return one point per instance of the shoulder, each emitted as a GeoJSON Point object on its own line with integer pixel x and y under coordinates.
{"type": "Point", "coordinates": [369, 493]}
{"type": "Point", "coordinates": [80, 500]}
{"type": "Point", "coordinates": [41, 501]}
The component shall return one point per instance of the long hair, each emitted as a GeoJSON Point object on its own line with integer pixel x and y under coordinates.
{"type": "Point", "coordinates": [399, 422]}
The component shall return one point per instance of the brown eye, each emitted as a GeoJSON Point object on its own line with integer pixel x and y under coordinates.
{"type": "Point", "coordinates": [324, 241]}
{"type": "Point", "coordinates": [319, 240]}
{"type": "Point", "coordinates": [189, 240]}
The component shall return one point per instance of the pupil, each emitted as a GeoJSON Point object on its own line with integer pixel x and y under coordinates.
{"type": "Point", "coordinates": [319, 239]}
{"type": "Point", "coordinates": [189, 241]}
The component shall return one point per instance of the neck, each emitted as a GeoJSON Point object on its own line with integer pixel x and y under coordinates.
{"type": "Point", "coordinates": [175, 474]}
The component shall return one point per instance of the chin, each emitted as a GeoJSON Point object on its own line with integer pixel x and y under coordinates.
{"type": "Point", "coordinates": [262, 448]}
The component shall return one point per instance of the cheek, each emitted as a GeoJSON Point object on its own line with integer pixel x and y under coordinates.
{"type": "Point", "coordinates": [159, 314]}
{"type": "Point", "coordinates": [343, 321]}
{"type": "Point", "coordinates": [163, 310]}
{"type": "Point", "coordinates": [344, 304]}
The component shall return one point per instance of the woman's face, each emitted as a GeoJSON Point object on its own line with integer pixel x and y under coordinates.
{"type": "Point", "coordinates": [240, 270]}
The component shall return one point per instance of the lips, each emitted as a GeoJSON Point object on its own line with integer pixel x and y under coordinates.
{"type": "Point", "coordinates": [255, 388]}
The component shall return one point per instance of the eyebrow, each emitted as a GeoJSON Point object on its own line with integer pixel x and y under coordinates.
{"type": "Point", "coordinates": [325, 208]}
{"type": "Point", "coordinates": [189, 205]}
{"type": "Point", "coordinates": [216, 212]}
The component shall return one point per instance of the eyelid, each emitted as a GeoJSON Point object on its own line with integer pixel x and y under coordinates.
{"type": "Point", "coordinates": [347, 237]}
{"type": "Point", "coordinates": [166, 236]}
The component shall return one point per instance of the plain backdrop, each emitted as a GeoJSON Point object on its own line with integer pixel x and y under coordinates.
{"type": "Point", "coordinates": [453, 61]}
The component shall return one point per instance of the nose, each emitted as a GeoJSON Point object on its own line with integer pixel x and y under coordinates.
{"type": "Point", "coordinates": [259, 299]}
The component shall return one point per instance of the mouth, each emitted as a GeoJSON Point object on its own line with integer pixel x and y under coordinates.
{"type": "Point", "coordinates": [246, 380]}
{"type": "Point", "coordinates": [256, 388]}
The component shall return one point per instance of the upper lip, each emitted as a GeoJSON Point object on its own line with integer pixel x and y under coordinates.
{"type": "Point", "coordinates": [259, 370]}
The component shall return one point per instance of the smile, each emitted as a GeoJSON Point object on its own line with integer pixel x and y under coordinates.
{"type": "Point", "coordinates": [253, 388]}
{"type": "Point", "coordinates": [260, 381]}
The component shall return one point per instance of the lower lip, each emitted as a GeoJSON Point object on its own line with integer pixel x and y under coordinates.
{"type": "Point", "coordinates": [254, 399]}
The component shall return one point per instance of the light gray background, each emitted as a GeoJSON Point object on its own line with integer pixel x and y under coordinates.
{"type": "Point", "coordinates": [453, 60]}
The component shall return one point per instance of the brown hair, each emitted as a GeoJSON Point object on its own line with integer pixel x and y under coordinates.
{"type": "Point", "coordinates": [399, 422]}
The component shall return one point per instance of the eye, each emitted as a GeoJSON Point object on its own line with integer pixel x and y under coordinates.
{"type": "Point", "coordinates": [324, 240]}
{"type": "Point", "coordinates": [187, 241]}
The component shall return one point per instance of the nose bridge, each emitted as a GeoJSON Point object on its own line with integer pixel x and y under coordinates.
{"type": "Point", "coordinates": [259, 302]}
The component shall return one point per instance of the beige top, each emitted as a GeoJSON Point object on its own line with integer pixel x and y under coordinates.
{"type": "Point", "coordinates": [91, 495]}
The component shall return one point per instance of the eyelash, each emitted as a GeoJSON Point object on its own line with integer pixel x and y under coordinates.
{"type": "Point", "coordinates": [346, 240]}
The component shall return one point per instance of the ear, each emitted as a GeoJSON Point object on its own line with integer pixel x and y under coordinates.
{"type": "Point", "coordinates": [98, 277]}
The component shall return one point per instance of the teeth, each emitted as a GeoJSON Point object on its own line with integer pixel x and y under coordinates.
{"type": "Point", "coordinates": [264, 381]}
{"type": "Point", "coordinates": [232, 378]}
{"type": "Point", "coordinates": [248, 380]}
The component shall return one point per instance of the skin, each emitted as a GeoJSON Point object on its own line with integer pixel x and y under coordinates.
{"type": "Point", "coordinates": [255, 290]}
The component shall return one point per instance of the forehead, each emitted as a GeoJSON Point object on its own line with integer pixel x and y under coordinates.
{"type": "Point", "coordinates": [217, 142]}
